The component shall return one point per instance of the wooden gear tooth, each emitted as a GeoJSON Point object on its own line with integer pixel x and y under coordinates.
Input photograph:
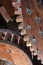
{"type": "Point", "coordinates": [18, 11]}
{"type": "Point", "coordinates": [23, 32]}
{"type": "Point", "coordinates": [35, 53]}
{"type": "Point", "coordinates": [28, 43]}
{"type": "Point", "coordinates": [41, 62]}
{"type": "Point", "coordinates": [16, 5]}
{"type": "Point", "coordinates": [38, 58]}
{"type": "Point", "coordinates": [31, 49]}
{"type": "Point", "coordinates": [21, 26]}
{"type": "Point", "coordinates": [26, 38]}
{"type": "Point", "coordinates": [19, 19]}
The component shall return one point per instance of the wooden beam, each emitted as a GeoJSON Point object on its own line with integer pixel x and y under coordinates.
{"type": "Point", "coordinates": [5, 14]}
{"type": "Point", "coordinates": [8, 6]}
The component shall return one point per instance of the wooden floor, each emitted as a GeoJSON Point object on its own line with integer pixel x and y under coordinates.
{"type": "Point", "coordinates": [13, 54]}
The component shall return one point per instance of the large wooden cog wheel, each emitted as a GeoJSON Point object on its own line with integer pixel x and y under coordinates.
{"type": "Point", "coordinates": [31, 24]}
{"type": "Point", "coordinates": [11, 49]}
{"type": "Point", "coordinates": [11, 55]}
